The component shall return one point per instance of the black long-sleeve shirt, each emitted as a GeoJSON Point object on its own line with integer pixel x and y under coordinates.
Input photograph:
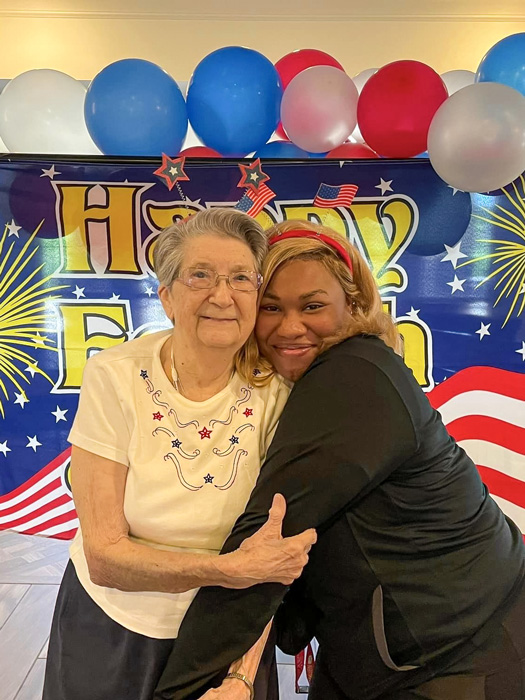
{"type": "Point", "coordinates": [413, 555]}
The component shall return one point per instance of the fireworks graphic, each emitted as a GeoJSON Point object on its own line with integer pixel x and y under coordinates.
{"type": "Point", "coordinates": [509, 255]}
{"type": "Point", "coordinates": [23, 315]}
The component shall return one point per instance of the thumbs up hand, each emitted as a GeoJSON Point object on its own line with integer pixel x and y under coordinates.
{"type": "Point", "coordinates": [267, 556]}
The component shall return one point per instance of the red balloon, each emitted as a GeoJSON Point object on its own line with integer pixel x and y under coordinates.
{"type": "Point", "coordinates": [293, 63]}
{"type": "Point", "coordinates": [396, 107]}
{"type": "Point", "coordinates": [351, 151]}
{"type": "Point", "coordinates": [200, 152]}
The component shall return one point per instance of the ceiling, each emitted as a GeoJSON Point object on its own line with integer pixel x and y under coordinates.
{"type": "Point", "coordinates": [287, 10]}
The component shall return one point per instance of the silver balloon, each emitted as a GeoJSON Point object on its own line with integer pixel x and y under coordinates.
{"type": "Point", "coordinates": [42, 111]}
{"type": "Point", "coordinates": [457, 79]}
{"type": "Point", "coordinates": [476, 141]}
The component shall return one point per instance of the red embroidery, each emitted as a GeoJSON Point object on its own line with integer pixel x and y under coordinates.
{"type": "Point", "coordinates": [248, 412]}
{"type": "Point", "coordinates": [205, 433]}
{"type": "Point", "coordinates": [158, 416]}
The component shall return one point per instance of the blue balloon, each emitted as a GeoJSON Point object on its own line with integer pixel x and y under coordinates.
{"type": "Point", "coordinates": [444, 213]}
{"type": "Point", "coordinates": [135, 108]}
{"type": "Point", "coordinates": [505, 63]}
{"type": "Point", "coordinates": [318, 155]}
{"type": "Point", "coordinates": [422, 155]}
{"type": "Point", "coordinates": [281, 149]}
{"type": "Point", "coordinates": [234, 100]}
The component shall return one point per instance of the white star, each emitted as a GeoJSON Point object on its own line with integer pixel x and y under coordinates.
{"type": "Point", "coordinates": [50, 172]}
{"type": "Point", "coordinates": [522, 351]}
{"type": "Point", "coordinates": [13, 229]}
{"type": "Point", "coordinates": [79, 292]}
{"type": "Point", "coordinates": [33, 443]}
{"type": "Point", "coordinates": [483, 330]}
{"type": "Point", "coordinates": [453, 254]}
{"type": "Point", "coordinates": [341, 163]}
{"type": "Point", "coordinates": [31, 369]}
{"type": "Point", "coordinates": [454, 189]}
{"type": "Point", "coordinates": [21, 399]}
{"type": "Point", "coordinates": [384, 186]}
{"type": "Point", "coordinates": [149, 290]}
{"type": "Point", "coordinates": [413, 314]}
{"type": "Point", "coordinates": [522, 290]}
{"type": "Point", "coordinates": [4, 449]}
{"type": "Point", "coordinates": [456, 284]}
{"type": "Point", "coordinates": [40, 340]}
{"type": "Point", "coordinates": [114, 297]}
{"type": "Point", "coordinates": [60, 414]}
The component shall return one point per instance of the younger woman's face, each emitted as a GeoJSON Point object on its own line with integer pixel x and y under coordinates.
{"type": "Point", "coordinates": [302, 306]}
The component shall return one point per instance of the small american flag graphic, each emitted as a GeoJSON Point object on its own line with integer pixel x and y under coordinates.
{"type": "Point", "coordinates": [335, 195]}
{"type": "Point", "coordinates": [253, 202]}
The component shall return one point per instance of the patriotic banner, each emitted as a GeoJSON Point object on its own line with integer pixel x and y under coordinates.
{"type": "Point", "coordinates": [76, 242]}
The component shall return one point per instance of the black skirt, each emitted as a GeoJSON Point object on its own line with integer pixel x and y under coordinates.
{"type": "Point", "coordinates": [92, 657]}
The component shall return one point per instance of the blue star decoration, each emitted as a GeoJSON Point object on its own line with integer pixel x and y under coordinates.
{"type": "Point", "coordinates": [252, 175]}
{"type": "Point", "coordinates": [176, 443]}
{"type": "Point", "coordinates": [234, 440]}
{"type": "Point", "coordinates": [144, 374]}
{"type": "Point", "coordinates": [208, 479]}
{"type": "Point", "coordinates": [172, 170]}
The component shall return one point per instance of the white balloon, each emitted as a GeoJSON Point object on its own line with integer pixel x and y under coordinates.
{"type": "Point", "coordinates": [457, 79]}
{"type": "Point", "coordinates": [3, 147]}
{"type": "Point", "coordinates": [359, 81]}
{"type": "Point", "coordinates": [42, 111]}
{"type": "Point", "coordinates": [476, 141]}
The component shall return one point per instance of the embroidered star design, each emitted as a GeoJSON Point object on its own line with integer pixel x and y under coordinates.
{"type": "Point", "coordinates": [204, 433]}
{"type": "Point", "coordinates": [252, 175]}
{"type": "Point", "coordinates": [234, 440]}
{"type": "Point", "coordinates": [208, 479]}
{"type": "Point", "coordinates": [176, 443]}
{"type": "Point", "coordinates": [172, 170]}
{"type": "Point", "coordinates": [143, 374]}
{"type": "Point", "coordinates": [248, 412]}
{"type": "Point", "coordinates": [158, 416]}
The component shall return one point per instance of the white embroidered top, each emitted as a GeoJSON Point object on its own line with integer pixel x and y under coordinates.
{"type": "Point", "coordinates": [191, 465]}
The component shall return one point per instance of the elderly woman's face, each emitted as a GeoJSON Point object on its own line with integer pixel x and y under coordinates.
{"type": "Point", "coordinates": [219, 317]}
{"type": "Point", "coordinates": [302, 306]}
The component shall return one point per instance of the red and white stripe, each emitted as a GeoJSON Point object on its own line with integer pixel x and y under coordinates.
{"type": "Point", "coordinates": [43, 504]}
{"type": "Point", "coordinates": [484, 410]}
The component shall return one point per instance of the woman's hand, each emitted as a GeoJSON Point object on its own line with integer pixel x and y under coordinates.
{"type": "Point", "coordinates": [267, 557]}
{"type": "Point", "coordinates": [230, 689]}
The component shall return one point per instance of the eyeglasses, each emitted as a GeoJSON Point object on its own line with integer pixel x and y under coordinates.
{"type": "Point", "coordinates": [204, 278]}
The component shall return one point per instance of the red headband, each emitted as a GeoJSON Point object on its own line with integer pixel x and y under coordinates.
{"type": "Point", "coordinates": [304, 233]}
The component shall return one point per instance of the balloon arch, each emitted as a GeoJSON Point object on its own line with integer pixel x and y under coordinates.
{"type": "Point", "coordinates": [470, 125]}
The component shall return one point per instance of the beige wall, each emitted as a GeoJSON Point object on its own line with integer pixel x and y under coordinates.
{"type": "Point", "coordinates": [81, 42]}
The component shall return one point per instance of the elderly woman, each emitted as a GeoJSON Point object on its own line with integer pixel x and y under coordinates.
{"type": "Point", "coordinates": [415, 588]}
{"type": "Point", "coordinates": [167, 445]}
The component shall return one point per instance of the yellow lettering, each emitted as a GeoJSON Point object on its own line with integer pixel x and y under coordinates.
{"type": "Point", "coordinates": [383, 229]}
{"type": "Point", "coordinates": [99, 227]}
{"type": "Point", "coordinates": [87, 328]}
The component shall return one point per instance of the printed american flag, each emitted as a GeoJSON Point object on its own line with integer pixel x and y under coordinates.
{"type": "Point", "coordinates": [42, 505]}
{"type": "Point", "coordinates": [484, 410]}
{"type": "Point", "coordinates": [252, 203]}
{"type": "Point", "coordinates": [335, 195]}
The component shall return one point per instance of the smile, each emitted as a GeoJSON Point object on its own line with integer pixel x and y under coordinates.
{"type": "Point", "coordinates": [292, 350]}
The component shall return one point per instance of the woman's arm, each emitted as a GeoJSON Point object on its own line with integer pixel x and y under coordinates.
{"type": "Point", "coordinates": [115, 561]}
{"type": "Point", "coordinates": [344, 429]}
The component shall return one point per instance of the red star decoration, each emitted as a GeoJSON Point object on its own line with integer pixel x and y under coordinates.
{"type": "Point", "coordinates": [252, 175]}
{"type": "Point", "coordinates": [204, 433]}
{"type": "Point", "coordinates": [158, 416]}
{"type": "Point", "coordinates": [172, 170]}
{"type": "Point", "coordinates": [248, 412]}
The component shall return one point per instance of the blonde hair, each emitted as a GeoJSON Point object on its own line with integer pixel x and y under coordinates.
{"type": "Point", "coordinates": [168, 257]}
{"type": "Point", "coordinates": [359, 286]}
